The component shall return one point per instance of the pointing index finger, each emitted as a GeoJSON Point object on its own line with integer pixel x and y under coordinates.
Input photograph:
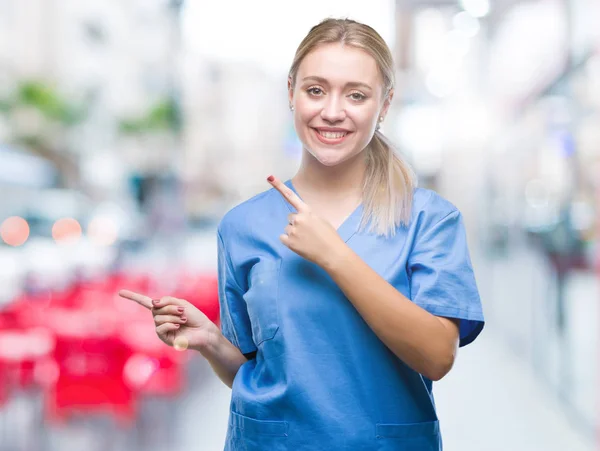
{"type": "Point", "coordinates": [141, 299]}
{"type": "Point", "coordinates": [288, 194]}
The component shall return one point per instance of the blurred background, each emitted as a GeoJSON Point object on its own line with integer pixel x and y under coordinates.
{"type": "Point", "coordinates": [129, 127]}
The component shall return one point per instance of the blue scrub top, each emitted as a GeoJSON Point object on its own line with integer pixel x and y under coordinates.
{"type": "Point", "coordinates": [321, 379]}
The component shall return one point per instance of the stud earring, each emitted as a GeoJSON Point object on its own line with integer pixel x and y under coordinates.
{"type": "Point", "coordinates": [378, 126]}
{"type": "Point", "coordinates": [291, 107]}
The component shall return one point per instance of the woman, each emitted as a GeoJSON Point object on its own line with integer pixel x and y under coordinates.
{"type": "Point", "coordinates": [345, 291]}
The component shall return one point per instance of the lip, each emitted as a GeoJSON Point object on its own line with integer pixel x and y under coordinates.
{"type": "Point", "coordinates": [331, 141]}
{"type": "Point", "coordinates": [332, 129]}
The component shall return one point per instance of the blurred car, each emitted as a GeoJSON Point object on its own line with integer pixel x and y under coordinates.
{"type": "Point", "coordinates": [68, 236]}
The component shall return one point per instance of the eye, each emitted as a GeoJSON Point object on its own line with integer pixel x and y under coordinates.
{"type": "Point", "coordinates": [357, 96]}
{"type": "Point", "coordinates": [315, 91]}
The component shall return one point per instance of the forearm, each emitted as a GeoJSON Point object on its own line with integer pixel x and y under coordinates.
{"type": "Point", "coordinates": [224, 358]}
{"type": "Point", "coordinates": [418, 338]}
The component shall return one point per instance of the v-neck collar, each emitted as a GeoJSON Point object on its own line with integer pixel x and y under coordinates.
{"type": "Point", "coordinates": [350, 225]}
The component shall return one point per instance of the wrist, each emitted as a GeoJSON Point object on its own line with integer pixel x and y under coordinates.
{"type": "Point", "coordinates": [336, 257]}
{"type": "Point", "coordinates": [211, 344]}
{"type": "Point", "coordinates": [218, 350]}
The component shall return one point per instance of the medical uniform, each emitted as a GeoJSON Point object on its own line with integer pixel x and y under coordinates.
{"type": "Point", "coordinates": [319, 378]}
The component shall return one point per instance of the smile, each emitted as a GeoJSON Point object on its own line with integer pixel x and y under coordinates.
{"type": "Point", "coordinates": [331, 137]}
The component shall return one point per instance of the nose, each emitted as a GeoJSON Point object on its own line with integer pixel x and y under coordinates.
{"type": "Point", "coordinates": [333, 110]}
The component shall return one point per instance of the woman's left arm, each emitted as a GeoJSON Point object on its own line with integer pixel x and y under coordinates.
{"type": "Point", "coordinates": [425, 342]}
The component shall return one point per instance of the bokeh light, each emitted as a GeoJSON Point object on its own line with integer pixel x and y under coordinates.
{"type": "Point", "coordinates": [476, 8]}
{"type": "Point", "coordinates": [14, 231]}
{"type": "Point", "coordinates": [102, 231]}
{"type": "Point", "coordinates": [466, 24]}
{"type": "Point", "coordinates": [181, 343]}
{"type": "Point", "coordinates": [66, 230]}
{"type": "Point", "coordinates": [139, 369]}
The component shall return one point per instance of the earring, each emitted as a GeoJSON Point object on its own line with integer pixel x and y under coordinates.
{"type": "Point", "coordinates": [291, 107]}
{"type": "Point", "coordinates": [378, 126]}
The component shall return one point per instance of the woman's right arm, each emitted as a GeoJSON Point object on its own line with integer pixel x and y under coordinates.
{"type": "Point", "coordinates": [183, 326]}
{"type": "Point", "coordinates": [224, 358]}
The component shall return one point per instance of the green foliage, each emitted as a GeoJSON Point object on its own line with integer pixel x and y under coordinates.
{"type": "Point", "coordinates": [46, 100]}
{"type": "Point", "coordinates": [163, 116]}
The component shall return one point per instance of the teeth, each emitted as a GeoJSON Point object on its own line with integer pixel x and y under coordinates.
{"type": "Point", "coordinates": [332, 135]}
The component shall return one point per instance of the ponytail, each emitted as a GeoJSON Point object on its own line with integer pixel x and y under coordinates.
{"type": "Point", "coordinates": [388, 188]}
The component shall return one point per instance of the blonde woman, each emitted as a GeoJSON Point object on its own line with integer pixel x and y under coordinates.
{"type": "Point", "coordinates": [345, 291]}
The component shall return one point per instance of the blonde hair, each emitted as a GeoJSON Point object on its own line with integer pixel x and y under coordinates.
{"type": "Point", "coordinates": [389, 180]}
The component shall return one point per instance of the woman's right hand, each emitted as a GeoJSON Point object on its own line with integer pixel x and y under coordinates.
{"type": "Point", "coordinates": [178, 323]}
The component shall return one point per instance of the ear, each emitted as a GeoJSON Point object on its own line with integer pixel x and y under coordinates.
{"type": "Point", "coordinates": [386, 103]}
{"type": "Point", "coordinates": [290, 91]}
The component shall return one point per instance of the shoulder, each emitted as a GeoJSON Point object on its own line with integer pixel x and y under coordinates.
{"type": "Point", "coordinates": [429, 208]}
{"type": "Point", "coordinates": [430, 201]}
{"type": "Point", "coordinates": [241, 219]}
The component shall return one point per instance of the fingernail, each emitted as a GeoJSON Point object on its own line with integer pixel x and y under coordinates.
{"type": "Point", "coordinates": [155, 301]}
{"type": "Point", "coordinates": [176, 326]}
{"type": "Point", "coordinates": [184, 319]}
{"type": "Point", "coordinates": [270, 178]}
{"type": "Point", "coordinates": [180, 309]}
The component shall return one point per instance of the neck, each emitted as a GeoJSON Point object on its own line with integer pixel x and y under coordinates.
{"type": "Point", "coordinates": [345, 179]}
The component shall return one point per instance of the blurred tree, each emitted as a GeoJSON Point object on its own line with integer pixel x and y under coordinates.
{"type": "Point", "coordinates": [48, 102]}
{"type": "Point", "coordinates": [40, 119]}
{"type": "Point", "coordinates": [164, 116]}
{"type": "Point", "coordinates": [158, 130]}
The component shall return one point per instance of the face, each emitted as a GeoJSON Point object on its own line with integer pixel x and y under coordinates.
{"type": "Point", "coordinates": [338, 99]}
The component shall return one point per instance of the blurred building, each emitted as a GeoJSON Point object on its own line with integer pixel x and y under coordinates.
{"type": "Point", "coordinates": [499, 112]}
{"type": "Point", "coordinates": [237, 122]}
{"type": "Point", "coordinates": [115, 60]}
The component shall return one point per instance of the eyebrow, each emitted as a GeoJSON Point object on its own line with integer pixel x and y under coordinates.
{"type": "Point", "coordinates": [355, 84]}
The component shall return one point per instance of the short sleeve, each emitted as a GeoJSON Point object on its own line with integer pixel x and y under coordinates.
{"type": "Point", "coordinates": [235, 322]}
{"type": "Point", "coordinates": [441, 275]}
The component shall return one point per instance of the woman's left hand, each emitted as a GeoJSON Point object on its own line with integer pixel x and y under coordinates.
{"type": "Point", "coordinates": [307, 234]}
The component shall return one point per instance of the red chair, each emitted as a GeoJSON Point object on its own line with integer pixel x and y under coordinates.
{"type": "Point", "coordinates": [20, 352]}
{"type": "Point", "coordinates": [23, 344]}
{"type": "Point", "coordinates": [90, 364]}
{"type": "Point", "coordinates": [106, 351]}
{"type": "Point", "coordinates": [90, 350]}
